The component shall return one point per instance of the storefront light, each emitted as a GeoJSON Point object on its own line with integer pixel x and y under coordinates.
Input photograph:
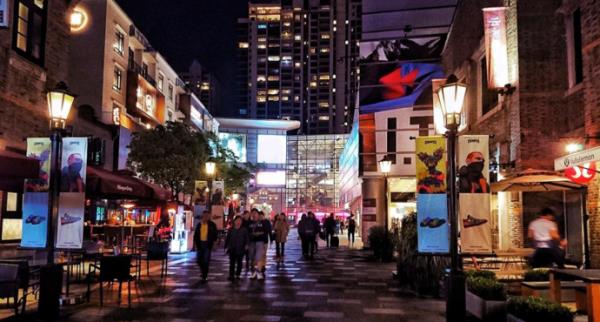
{"type": "Point", "coordinates": [78, 19]}
{"type": "Point", "coordinates": [385, 165]}
{"type": "Point", "coordinates": [573, 147]}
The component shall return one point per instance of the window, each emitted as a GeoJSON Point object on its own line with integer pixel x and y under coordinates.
{"type": "Point", "coordinates": [324, 118]}
{"type": "Point", "coordinates": [119, 45]}
{"type": "Point", "coordinates": [391, 139]}
{"type": "Point", "coordinates": [489, 97]}
{"type": "Point", "coordinates": [171, 92]}
{"type": "Point", "coordinates": [161, 81]}
{"type": "Point", "coordinates": [575, 48]}
{"type": "Point", "coordinates": [29, 32]}
{"type": "Point", "coordinates": [117, 79]}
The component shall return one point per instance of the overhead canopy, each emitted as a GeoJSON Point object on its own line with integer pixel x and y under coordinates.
{"type": "Point", "coordinates": [108, 184]}
{"type": "Point", "coordinates": [386, 19]}
{"type": "Point", "coordinates": [14, 168]}
{"type": "Point", "coordinates": [532, 180]}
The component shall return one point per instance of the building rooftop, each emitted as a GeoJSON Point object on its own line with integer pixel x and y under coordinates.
{"type": "Point", "coordinates": [258, 124]}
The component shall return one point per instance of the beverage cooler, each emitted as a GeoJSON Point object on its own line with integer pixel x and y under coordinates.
{"type": "Point", "coordinates": [182, 231]}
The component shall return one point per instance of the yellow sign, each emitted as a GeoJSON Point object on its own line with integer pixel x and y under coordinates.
{"type": "Point", "coordinates": [431, 159]}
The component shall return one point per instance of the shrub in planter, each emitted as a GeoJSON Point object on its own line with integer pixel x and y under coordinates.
{"type": "Point", "coordinates": [486, 288]}
{"type": "Point", "coordinates": [381, 243]}
{"type": "Point", "coordinates": [479, 273]}
{"type": "Point", "coordinates": [537, 275]}
{"type": "Point", "coordinates": [536, 309]}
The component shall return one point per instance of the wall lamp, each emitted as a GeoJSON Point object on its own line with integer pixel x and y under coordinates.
{"type": "Point", "coordinates": [508, 89]}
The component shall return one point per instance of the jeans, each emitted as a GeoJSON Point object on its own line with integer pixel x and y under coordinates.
{"type": "Point", "coordinates": [235, 264]}
{"type": "Point", "coordinates": [256, 253]}
{"type": "Point", "coordinates": [351, 235]}
{"type": "Point", "coordinates": [312, 245]}
{"type": "Point", "coordinates": [280, 249]}
{"type": "Point", "coordinates": [304, 241]}
{"type": "Point", "coordinates": [203, 257]}
{"type": "Point", "coordinates": [545, 257]}
{"type": "Point", "coordinates": [328, 236]}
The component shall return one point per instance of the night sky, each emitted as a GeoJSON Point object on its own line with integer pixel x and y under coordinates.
{"type": "Point", "coordinates": [182, 30]}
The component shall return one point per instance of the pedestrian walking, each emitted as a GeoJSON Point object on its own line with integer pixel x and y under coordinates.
{"type": "Point", "coordinates": [351, 230]}
{"type": "Point", "coordinates": [312, 231]}
{"type": "Point", "coordinates": [329, 226]}
{"type": "Point", "coordinates": [259, 237]}
{"type": "Point", "coordinates": [236, 246]}
{"type": "Point", "coordinates": [269, 229]}
{"type": "Point", "coordinates": [205, 235]}
{"type": "Point", "coordinates": [302, 226]}
{"type": "Point", "coordinates": [246, 224]}
{"type": "Point", "coordinates": [281, 229]}
{"type": "Point", "coordinates": [547, 241]}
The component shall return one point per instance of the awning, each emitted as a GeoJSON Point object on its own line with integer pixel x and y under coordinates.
{"type": "Point", "coordinates": [14, 168]}
{"type": "Point", "coordinates": [103, 183]}
{"type": "Point", "coordinates": [156, 192]}
{"type": "Point", "coordinates": [532, 180]}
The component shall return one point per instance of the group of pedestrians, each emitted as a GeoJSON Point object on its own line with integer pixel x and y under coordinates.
{"type": "Point", "coordinates": [249, 237]}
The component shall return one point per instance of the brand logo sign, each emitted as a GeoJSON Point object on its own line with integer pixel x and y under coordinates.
{"type": "Point", "coordinates": [581, 174]}
{"type": "Point", "coordinates": [579, 158]}
{"type": "Point", "coordinates": [124, 188]}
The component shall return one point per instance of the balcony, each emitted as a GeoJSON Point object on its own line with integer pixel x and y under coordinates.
{"type": "Point", "coordinates": [138, 69]}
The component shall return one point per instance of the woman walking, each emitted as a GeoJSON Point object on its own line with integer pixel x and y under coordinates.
{"type": "Point", "coordinates": [236, 246]}
{"type": "Point", "coordinates": [282, 229]}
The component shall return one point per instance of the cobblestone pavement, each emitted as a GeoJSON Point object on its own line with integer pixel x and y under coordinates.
{"type": "Point", "coordinates": [338, 285]}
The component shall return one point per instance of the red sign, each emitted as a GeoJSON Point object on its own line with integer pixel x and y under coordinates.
{"type": "Point", "coordinates": [581, 174]}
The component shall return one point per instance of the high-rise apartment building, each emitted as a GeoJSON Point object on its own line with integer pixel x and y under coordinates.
{"type": "Point", "coordinates": [204, 84]}
{"type": "Point", "coordinates": [298, 61]}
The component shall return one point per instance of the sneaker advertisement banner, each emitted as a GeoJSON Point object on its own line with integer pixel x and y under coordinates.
{"type": "Point", "coordinates": [474, 194]}
{"type": "Point", "coordinates": [71, 203]}
{"type": "Point", "coordinates": [432, 201]}
{"type": "Point", "coordinates": [35, 198]}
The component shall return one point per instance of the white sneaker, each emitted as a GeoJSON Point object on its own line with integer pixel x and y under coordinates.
{"type": "Point", "coordinates": [253, 275]}
{"type": "Point", "coordinates": [260, 276]}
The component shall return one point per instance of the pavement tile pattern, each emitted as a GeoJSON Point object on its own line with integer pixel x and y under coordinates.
{"type": "Point", "coordinates": [338, 285]}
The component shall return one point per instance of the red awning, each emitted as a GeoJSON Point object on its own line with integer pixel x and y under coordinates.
{"type": "Point", "coordinates": [103, 183]}
{"type": "Point", "coordinates": [14, 168]}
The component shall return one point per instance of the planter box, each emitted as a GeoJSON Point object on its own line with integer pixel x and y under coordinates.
{"type": "Point", "coordinates": [485, 310]}
{"type": "Point", "coordinates": [512, 318]}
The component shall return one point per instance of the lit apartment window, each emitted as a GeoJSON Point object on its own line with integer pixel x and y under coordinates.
{"type": "Point", "coordinates": [261, 99]}
{"type": "Point", "coordinates": [171, 92]}
{"type": "Point", "coordinates": [273, 92]}
{"type": "Point", "coordinates": [274, 98]}
{"type": "Point", "coordinates": [285, 98]}
{"type": "Point", "coordinates": [324, 77]}
{"type": "Point", "coordinates": [325, 36]}
{"type": "Point", "coordinates": [205, 86]}
{"type": "Point", "coordinates": [313, 84]}
{"type": "Point", "coordinates": [262, 46]}
{"type": "Point", "coordinates": [285, 91]}
{"type": "Point", "coordinates": [324, 118]}
{"type": "Point", "coordinates": [273, 78]}
{"type": "Point", "coordinates": [324, 50]}
{"type": "Point", "coordinates": [324, 104]}
{"type": "Point", "coordinates": [29, 32]}
{"type": "Point", "coordinates": [296, 98]}
{"type": "Point", "coordinates": [297, 37]}
{"type": "Point", "coordinates": [261, 78]}
{"type": "Point", "coordinates": [243, 45]}
{"type": "Point", "coordinates": [262, 39]}
{"type": "Point", "coordinates": [273, 58]}
{"type": "Point", "coordinates": [117, 79]}
{"type": "Point", "coordinates": [119, 44]}
{"type": "Point", "coordinates": [312, 50]}
{"type": "Point", "coordinates": [161, 81]}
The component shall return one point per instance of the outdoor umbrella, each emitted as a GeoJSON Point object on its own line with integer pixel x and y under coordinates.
{"type": "Point", "coordinates": [532, 180]}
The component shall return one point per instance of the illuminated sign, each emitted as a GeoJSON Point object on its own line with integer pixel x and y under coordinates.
{"type": "Point", "coordinates": [116, 115]}
{"type": "Point", "coordinates": [578, 158]}
{"type": "Point", "coordinates": [196, 117]}
{"type": "Point", "coordinates": [494, 24]}
{"type": "Point", "coordinates": [4, 13]}
{"type": "Point", "coordinates": [235, 142]}
{"type": "Point", "coordinates": [272, 149]}
{"type": "Point", "coordinates": [270, 178]}
{"type": "Point", "coordinates": [581, 174]}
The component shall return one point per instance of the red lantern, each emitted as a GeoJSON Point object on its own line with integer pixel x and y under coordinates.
{"type": "Point", "coordinates": [581, 174]}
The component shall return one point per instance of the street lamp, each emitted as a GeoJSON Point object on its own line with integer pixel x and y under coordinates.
{"type": "Point", "coordinates": [385, 165]}
{"type": "Point", "coordinates": [59, 102]}
{"type": "Point", "coordinates": [451, 97]}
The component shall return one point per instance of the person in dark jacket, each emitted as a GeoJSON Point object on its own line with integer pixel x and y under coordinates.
{"type": "Point", "coordinates": [351, 230]}
{"type": "Point", "coordinates": [236, 245]}
{"type": "Point", "coordinates": [205, 235]}
{"type": "Point", "coordinates": [302, 225]}
{"type": "Point", "coordinates": [312, 231]}
{"type": "Point", "coordinates": [269, 229]}
{"type": "Point", "coordinates": [259, 232]}
{"type": "Point", "coordinates": [246, 224]}
{"type": "Point", "coordinates": [329, 226]}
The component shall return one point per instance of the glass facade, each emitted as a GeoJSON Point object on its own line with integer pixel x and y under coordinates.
{"type": "Point", "coordinates": [313, 180]}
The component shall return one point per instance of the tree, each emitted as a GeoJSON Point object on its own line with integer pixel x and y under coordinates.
{"type": "Point", "coordinates": [170, 155]}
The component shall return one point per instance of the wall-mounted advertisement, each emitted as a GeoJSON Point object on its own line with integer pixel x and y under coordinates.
{"type": "Point", "coordinates": [432, 223]}
{"type": "Point", "coordinates": [4, 13]}
{"type": "Point", "coordinates": [270, 178]}
{"type": "Point", "coordinates": [474, 194]}
{"type": "Point", "coordinates": [236, 142]}
{"type": "Point", "coordinates": [272, 149]}
{"type": "Point", "coordinates": [69, 233]}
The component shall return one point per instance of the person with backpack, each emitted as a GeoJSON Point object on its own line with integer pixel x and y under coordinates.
{"type": "Point", "coordinates": [351, 230]}
{"type": "Point", "coordinates": [281, 229]}
{"type": "Point", "coordinates": [205, 236]}
{"type": "Point", "coordinates": [236, 246]}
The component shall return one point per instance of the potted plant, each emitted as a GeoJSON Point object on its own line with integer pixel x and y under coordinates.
{"type": "Point", "coordinates": [536, 275]}
{"type": "Point", "coordinates": [536, 309]}
{"type": "Point", "coordinates": [486, 298]}
{"type": "Point", "coordinates": [381, 243]}
{"type": "Point", "coordinates": [480, 273]}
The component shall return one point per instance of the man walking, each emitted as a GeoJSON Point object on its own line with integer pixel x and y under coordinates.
{"type": "Point", "coordinates": [236, 246]}
{"type": "Point", "coordinates": [329, 229]}
{"type": "Point", "coordinates": [544, 233]}
{"type": "Point", "coordinates": [258, 239]}
{"type": "Point", "coordinates": [351, 230]}
{"type": "Point", "coordinates": [205, 235]}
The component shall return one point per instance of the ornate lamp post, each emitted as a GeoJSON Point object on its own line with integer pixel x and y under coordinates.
{"type": "Point", "coordinates": [451, 97]}
{"type": "Point", "coordinates": [60, 101]}
{"type": "Point", "coordinates": [385, 166]}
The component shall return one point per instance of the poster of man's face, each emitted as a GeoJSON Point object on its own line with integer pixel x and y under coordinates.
{"type": "Point", "coordinates": [473, 164]}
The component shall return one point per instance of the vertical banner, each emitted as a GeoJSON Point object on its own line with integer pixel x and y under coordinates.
{"type": "Point", "coordinates": [72, 193]}
{"type": "Point", "coordinates": [474, 194]}
{"type": "Point", "coordinates": [35, 198]}
{"type": "Point", "coordinates": [432, 207]}
{"type": "Point", "coordinates": [4, 13]}
{"type": "Point", "coordinates": [496, 54]}
{"type": "Point", "coordinates": [199, 199]}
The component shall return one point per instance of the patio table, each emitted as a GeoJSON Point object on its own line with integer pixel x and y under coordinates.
{"type": "Point", "coordinates": [591, 277]}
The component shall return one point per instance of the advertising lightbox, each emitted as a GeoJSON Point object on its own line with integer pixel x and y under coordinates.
{"type": "Point", "coordinates": [272, 149]}
{"type": "Point", "coordinates": [235, 142]}
{"type": "Point", "coordinates": [270, 178]}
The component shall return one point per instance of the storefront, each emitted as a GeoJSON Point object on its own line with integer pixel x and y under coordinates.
{"type": "Point", "coordinates": [401, 200]}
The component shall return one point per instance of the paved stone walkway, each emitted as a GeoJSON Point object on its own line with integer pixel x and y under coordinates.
{"type": "Point", "coordinates": [338, 285]}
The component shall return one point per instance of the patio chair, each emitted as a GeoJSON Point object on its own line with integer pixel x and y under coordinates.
{"type": "Point", "coordinates": [9, 284]}
{"type": "Point", "coordinates": [112, 268]}
{"type": "Point", "coordinates": [158, 251]}
{"type": "Point", "coordinates": [28, 279]}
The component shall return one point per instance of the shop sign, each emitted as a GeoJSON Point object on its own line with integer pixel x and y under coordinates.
{"type": "Point", "coordinates": [496, 53]}
{"type": "Point", "coordinates": [581, 174]}
{"type": "Point", "coordinates": [578, 158]}
{"type": "Point", "coordinates": [370, 206]}
{"type": "Point", "coordinates": [3, 13]}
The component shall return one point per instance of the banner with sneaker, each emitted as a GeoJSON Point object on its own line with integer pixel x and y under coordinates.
{"type": "Point", "coordinates": [71, 201]}
{"type": "Point", "coordinates": [474, 194]}
{"type": "Point", "coordinates": [432, 201]}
